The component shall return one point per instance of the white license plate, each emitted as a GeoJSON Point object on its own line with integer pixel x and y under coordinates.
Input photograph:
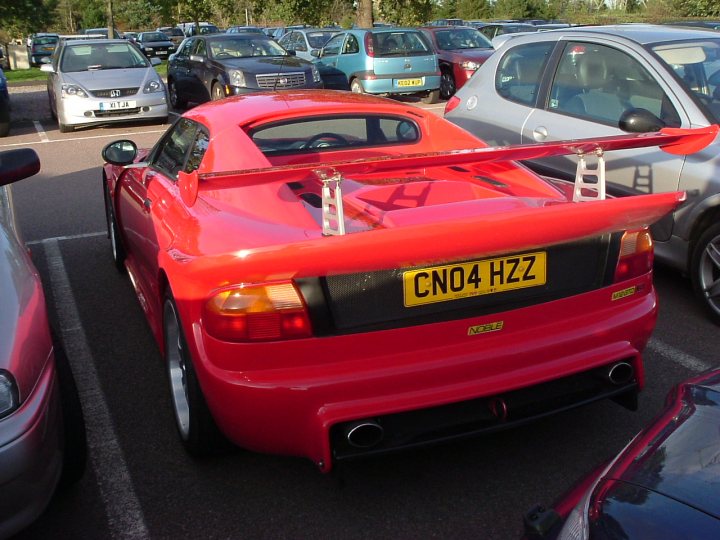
{"type": "Point", "coordinates": [116, 105]}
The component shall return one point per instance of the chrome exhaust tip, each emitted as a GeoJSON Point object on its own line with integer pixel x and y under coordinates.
{"type": "Point", "coordinates": [365, 434]}
{"type": "Point", "coordinates": [619, 373]}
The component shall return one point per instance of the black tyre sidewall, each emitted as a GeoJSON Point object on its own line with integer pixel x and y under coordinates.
{"type": "Point", "coordinates": [695, 269]}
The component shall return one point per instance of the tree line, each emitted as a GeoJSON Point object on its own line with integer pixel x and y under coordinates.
{"type": "Point", "coordinates": [19, 18]}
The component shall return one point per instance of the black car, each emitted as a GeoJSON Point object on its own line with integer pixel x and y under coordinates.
{"type": "Point", "coordinates": [663, 485]}
{"type": "Point", "coordinates": [220, 65]}
{"type": "Point", "coordinates": [155, 44]}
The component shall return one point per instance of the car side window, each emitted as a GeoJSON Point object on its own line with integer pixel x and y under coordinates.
{"type": "Point", "coordinates": [186, 47]}
{"type": "Point", "coordinates": [197, 151]}
{"type": "Point", "coordinates": [520, 71]}
{"type": "Point", "coordinates": [601, 83]}
{"type": "Point", "coordinates": [333, 46]}
{"type": "Point", "coordinates": [171, 154]}
{"type": "Point", "coordinates": [199, 48]}
{"type": "Point", "coordinates": [351, 45]}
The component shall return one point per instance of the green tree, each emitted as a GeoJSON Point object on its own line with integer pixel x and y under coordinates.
{"type": "Point", "coordinates": [406, 12]}
{"type": "Point", "coordinates": [19, 18]}
{"type": "Point", "coordinates": [473, 9]}
{"type": "Point", "coordinates": [697, 8]}
{"type": "Point", "coordinates": [137, 14]}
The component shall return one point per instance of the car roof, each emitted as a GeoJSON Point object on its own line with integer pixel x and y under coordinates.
{"type": "Point", "coordinates": [640, 33]}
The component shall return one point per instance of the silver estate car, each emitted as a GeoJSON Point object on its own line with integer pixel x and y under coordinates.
{"type": "Point", "coordinates": [600, 81]}
{"type": "Point", "coordinates": [101, 81]}
{"type": "Point", "coordinates": [42, 433]}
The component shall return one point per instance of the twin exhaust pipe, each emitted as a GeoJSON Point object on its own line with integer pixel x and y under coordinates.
{"type": "Point", "coordinates": [365, 434]}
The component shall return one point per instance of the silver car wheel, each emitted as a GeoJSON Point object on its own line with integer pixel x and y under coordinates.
{"type": "Point", "coordinates": [177, 369]}
{"type": "Point", "coordinates": [709, 273]}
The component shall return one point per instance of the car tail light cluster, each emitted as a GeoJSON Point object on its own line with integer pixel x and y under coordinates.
{"type": "Point", "coordinates": [257, 312]}
{"type": "Point", "coordinates": [453, 102]}
{"type": "Point", "coordinates": [636, 255]}
{"type": "Point", "coordinates": [369, 45]}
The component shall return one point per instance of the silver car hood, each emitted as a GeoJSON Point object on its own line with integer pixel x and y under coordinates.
{"type": "Point", "coordinates": [103, 79]}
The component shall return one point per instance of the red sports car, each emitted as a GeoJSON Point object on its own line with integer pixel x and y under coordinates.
{"type": "Point", "coordinates": [333, 275]}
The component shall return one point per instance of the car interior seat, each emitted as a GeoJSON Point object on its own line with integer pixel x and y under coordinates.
{"type": "Point", "coordinates": [598, 99]}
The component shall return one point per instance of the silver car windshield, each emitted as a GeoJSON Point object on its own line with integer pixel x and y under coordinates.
{"type": "Point", "coordinates": [697, 65]}
{"type": "Point", "coordinates": [88, 57]}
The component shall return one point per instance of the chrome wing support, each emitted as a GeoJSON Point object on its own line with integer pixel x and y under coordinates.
{"type": "Point", "coordinates": [333, 217]}
{"type": "Point", "coordinates": [590, 182]}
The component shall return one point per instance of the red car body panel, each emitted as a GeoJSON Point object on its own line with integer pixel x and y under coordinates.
{"type": "Point", "coordinates": [240, 220]}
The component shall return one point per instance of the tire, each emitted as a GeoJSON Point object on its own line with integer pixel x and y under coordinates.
{"type": "Point", "coordinates": [447, 85]}
{"type": "Point", "coordinates": [356, 87]}
{"type": "Point", "coordinates": [64, 128]}
{"type": "Point", "coordinates": [175, 100]}
{"type": "Point", "coordinates": [705, 270]}
{"type": "Point", "coordinates": [196, 427]}
{"type": "Point", "coordinates": [4, 128]}
{"type": "Point", "coordinates": [116, 244]}
{"type": "Point", "coordinates": [432, 97]}
{"type": "Point", "coordinates": [53, 114]}
{"type": "Point", "coordinates": [75, 437]}
{"type": "Point", "coordinates": [217, 93]}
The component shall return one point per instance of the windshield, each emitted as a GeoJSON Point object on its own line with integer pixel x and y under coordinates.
{"type": "Point", "coordinates": [107, 56]}
{"type": "Point", "coordinates": [245, 46]}
{"type": "Point", "coordinates": [697, 66]}
{"type": "Point", "coordinates": [462, 38]}
{"type": "Point", "coordinates": [153, 36]}
{"type": "Point", "coordinates": [318, 39]}
{"type": "Point", "coordinates": [399, 43]}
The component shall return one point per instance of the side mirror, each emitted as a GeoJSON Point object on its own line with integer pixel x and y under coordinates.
{"type": "Point", "coordinates": [47, 68]}
{"type": "Point", "coordinates": [640, 121]}
{"type": "Point", "coordinates": [196, 58]}
{"type": "Point", "coordinates": [155, 61]}
{"type": "Point", "coordinates": [121, 152]}
{"type": "Point", "coordinates": [18, 164]}
{"type": "Point", "coordinates": [317, 53]}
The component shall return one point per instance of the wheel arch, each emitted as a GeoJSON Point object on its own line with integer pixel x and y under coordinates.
{"type": "Point", "coordinates": [710, 214]}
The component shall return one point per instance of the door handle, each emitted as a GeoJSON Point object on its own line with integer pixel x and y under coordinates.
{"type": "Point", "coordinates": [147, 203]}
{"type": "Point", "coordinates": [540, 134]}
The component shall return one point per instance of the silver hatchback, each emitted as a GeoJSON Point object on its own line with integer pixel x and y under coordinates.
{"type": "Point", "coordinates": [600, 81]}
{"type": "Point", "coordinates": [102, 81]}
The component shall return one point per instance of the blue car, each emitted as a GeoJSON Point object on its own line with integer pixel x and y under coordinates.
{"type": "Point", "coordinates": [4, 106]}
{"type": "Point", "coordinates": [391, 61]}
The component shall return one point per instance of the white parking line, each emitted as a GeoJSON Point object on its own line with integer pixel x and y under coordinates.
{"type": "Point", "coordinates": [676, 355]}
{"type": "Point", "coordinates": [108, 136]}
{"type": "Point", "coordinates": [69, 237]}
{"type": "Point", "coordinates": [124, 513]}
{"type": "Point", "coordinates": [41, 131]}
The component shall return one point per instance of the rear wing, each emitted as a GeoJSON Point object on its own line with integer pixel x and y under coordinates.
{"type": "Point", "coordinates": [589, 182]}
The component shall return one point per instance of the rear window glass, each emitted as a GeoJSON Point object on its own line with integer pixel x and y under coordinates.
{"type": "Point", "coordinates": [334, 133]}
{"type": "Point", "coordinates": [400, 43]}
{"type": "Point", "coordinates": [49, 40]}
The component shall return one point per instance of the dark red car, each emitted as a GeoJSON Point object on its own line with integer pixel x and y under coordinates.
{"type": "Point", "coordinates": [461, 50]}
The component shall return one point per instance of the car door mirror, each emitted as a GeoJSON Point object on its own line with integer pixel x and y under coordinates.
{"type": "Point", "coordinates": [18, 164]}
{"type": "Point", "coordinates": [155, 61]}
{"type": "Point", "coordinates": [47, 68]}
{"type": "Point", "coordinates": [121, 152]}
{"type": "Point", "coordinates": [317, 53]}
{"type": "Point", "coordinates": [640, 121]}
{"type": "Point", "coordinates": [196, 58]}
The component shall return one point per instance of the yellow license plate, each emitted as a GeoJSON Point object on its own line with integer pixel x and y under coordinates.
{"type": "Point", "coordinates": [409, 82]}
{"type": "Point", "coordinates": [465, 280]}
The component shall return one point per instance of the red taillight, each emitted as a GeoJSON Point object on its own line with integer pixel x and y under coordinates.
{"type": "Point", "coordinates": [369, 45]}
{"type": "Point", "coordinates": [636, 255]}
{"type": "Point", "coordinates": [257, 312]}
{"type": "Point", "coordinates": [451, 104]}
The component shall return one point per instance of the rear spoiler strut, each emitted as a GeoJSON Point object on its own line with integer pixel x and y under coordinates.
{"type": "Point", "coordinates": [676, 141]}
